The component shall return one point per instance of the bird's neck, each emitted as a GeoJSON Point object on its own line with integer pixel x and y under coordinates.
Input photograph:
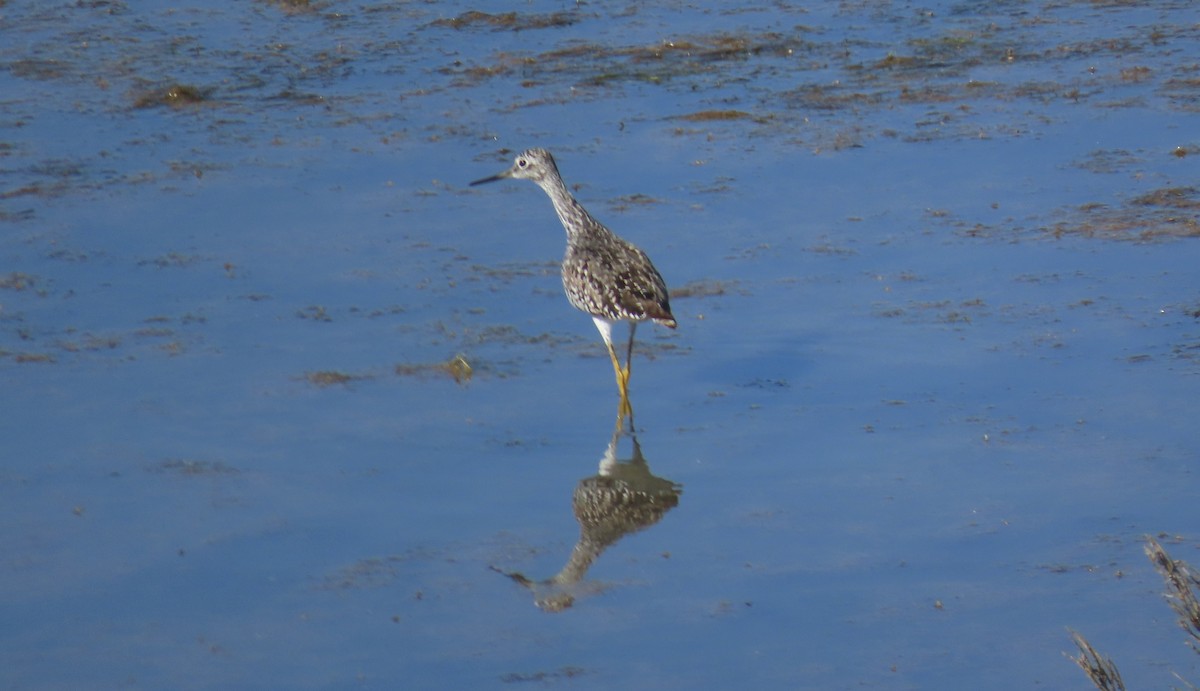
{"type": "Point", "coordinates": [571, 213]}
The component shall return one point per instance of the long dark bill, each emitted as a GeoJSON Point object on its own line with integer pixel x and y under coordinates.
{"type": "Point", "coordinates": [497, 176]}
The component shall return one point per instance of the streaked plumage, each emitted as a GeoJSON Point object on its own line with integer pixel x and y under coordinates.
{"type": "Point", "coordinates": [603, 274]}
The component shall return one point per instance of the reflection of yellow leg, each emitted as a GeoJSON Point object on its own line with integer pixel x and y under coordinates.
{"type": "Point", "coordinates": [629, 353]}
{"type": "Point", "coordinates": [627, 409]}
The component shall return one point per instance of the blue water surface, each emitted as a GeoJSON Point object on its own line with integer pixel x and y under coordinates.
{"type": "Point", "coordinates": [934, 379]}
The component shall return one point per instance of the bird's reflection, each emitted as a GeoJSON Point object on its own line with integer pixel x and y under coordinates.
{"type": "Point", "coordinates": [622, 498]}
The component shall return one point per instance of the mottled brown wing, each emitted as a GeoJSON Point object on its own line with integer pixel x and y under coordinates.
{"type": "Point", "coordinates": [616, 280]}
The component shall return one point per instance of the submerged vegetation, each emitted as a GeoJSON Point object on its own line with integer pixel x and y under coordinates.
{"type": "Point", "coordinates": [1162, 214]}
{"type": "Point", "coordinates": [508, 21]}
{"type": "Point", "coordinates": [457, 368]}
{"type": "Point", "coordinates": [818, 85]}
{"type": "Point", "coordinates": [173, 96]}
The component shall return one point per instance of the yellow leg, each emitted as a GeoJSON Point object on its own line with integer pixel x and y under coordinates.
{"type": "Point", "coordinates": [624, 408]}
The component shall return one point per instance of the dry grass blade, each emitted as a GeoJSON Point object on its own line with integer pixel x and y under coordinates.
{"type": "Point", "coordinates": [1189, 686]}
{"type": "Point", "coordinates": [1101, 670]}
{"type": "Point", "coordinates": [1182, 582]}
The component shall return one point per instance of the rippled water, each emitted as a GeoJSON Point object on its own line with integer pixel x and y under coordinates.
{"type": "Point", "coordinates": [288, 405]}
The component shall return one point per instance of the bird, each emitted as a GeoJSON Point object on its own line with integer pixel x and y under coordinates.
{"type": "Point", "coordinates": [603, 274]}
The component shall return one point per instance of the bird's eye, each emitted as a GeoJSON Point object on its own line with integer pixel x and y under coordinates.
{"type": "Point", "coordinates": [521, 163]}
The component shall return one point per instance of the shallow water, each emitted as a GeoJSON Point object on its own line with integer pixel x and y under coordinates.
{"type": "Point", "coordinates": [934, 380]}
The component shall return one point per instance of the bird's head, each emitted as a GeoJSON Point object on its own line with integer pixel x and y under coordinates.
{"type": "Point", "coordinates": [533, 164]}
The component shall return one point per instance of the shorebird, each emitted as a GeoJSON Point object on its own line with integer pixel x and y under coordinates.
{"type": "Point", "coordinates": [602, 274]}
